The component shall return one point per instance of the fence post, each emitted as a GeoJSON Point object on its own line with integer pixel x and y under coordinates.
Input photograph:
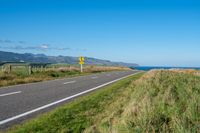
{"type": "Point", "coordinates": [40, 68]}
{"type": "Point", "coordinates": [9, 68]}
{"type": "Point", "coordinates": [70, 68]}
{"type": "Point", "coordinates": [2, 68]}
{"type": "Point", "coordinates": [29, 70]}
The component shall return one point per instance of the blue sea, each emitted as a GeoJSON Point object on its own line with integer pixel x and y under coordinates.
{"type": "Point", "coordinates": [147, 68]}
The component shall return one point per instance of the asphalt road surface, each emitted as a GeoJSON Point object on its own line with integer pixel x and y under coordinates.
{"type": "Point", "coordinates": [21, 102]}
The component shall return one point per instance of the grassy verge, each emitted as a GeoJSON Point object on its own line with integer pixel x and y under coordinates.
{"type": "Point", "coordinates": [77, 116]}
{"type": "Point", "coordinates": [159, 101]}
{"type": "Point", "coordinates": [20, 76]}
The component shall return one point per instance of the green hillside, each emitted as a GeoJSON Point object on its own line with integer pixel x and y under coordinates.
{"type": "Point", "coordinates": [41, 58]}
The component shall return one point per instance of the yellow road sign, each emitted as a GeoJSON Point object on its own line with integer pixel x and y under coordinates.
{"type": "Point", "coordinates": [81, 59]}
{"type": "Point", "coordinates": [81, 62]}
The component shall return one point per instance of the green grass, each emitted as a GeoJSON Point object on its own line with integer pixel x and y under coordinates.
{"type": "Point", "coordinates": [20, 75]}
{"type": "Point", "coordinates": [77, 116]}
{"type": "Point", "coordinates": [20, 71]}
{"type": "Point", "coordinates": [159, 101]}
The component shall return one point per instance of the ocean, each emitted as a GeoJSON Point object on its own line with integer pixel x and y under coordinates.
{"type": "Point", "coordinates": [147, 68]}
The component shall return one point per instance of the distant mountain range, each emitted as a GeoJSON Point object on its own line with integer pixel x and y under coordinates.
{"type": "Point", "coordinates": [41, 58]}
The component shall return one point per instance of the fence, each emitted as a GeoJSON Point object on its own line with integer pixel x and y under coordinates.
{"type": "Point", "coordinates": [25, 68]}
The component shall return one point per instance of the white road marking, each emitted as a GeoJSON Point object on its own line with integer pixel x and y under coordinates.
{"type": "Point", "coordinates": [60, 101]}
{"type": "Point", "coordinates": [94, 77]}
{"type": "Point", "coordinates": [70, 82]}
{"type": "Point", "coordinates": [11, 93]}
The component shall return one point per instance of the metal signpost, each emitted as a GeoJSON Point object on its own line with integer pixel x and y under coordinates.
{"type": "Point", "coordinates": [81, 62]}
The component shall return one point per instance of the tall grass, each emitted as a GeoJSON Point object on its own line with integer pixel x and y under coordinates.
{"type": "Point", "coordinates": [20, 74]}
{"type": "Point", "coordinates": [161, 101]}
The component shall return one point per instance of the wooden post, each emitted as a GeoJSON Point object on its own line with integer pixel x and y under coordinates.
{"type": "Point", "coordinates": [9, 69]}
{"type": "Point", "coordinates": [70, 68]}
{"type": "Point", "coordinates": [2, 68]}
{"type": "Point", "coordinates": [29, 70]}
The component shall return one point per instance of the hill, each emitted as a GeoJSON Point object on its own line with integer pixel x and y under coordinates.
{"type": "Point", "coordinates": [41, 58]}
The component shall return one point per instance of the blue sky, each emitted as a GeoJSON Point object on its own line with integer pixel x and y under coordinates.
{"type": "Point", "coordinates": [147, 32]}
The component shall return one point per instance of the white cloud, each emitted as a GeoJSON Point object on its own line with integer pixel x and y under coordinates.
{"type": "Point", "coordinates": [44, 46]}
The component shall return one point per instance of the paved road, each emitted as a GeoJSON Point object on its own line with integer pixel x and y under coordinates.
{"type": "Point", "coordinates": [20, 102]}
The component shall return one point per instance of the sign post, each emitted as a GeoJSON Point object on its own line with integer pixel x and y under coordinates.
{"type": "Point", "coordinates": [81, 62]}
{"type": "Point", "coordinates": [81, 68]}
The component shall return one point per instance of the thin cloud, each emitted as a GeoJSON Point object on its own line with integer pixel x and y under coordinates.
{"type": "Point", "coordinates": [63, 49]}
{"type": "Point", "coordinates": [21, 42]}
{"type": "Point", "coordinates": [18, 45]}
{"type": "Point", "coordinates": [11, 41]}
{"type": "Point", "coordinates": [43, 47]}
{"type": "Point", "coordinates": [6, 41]}
{"type": "Point", "coordinates": [78, 49]}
